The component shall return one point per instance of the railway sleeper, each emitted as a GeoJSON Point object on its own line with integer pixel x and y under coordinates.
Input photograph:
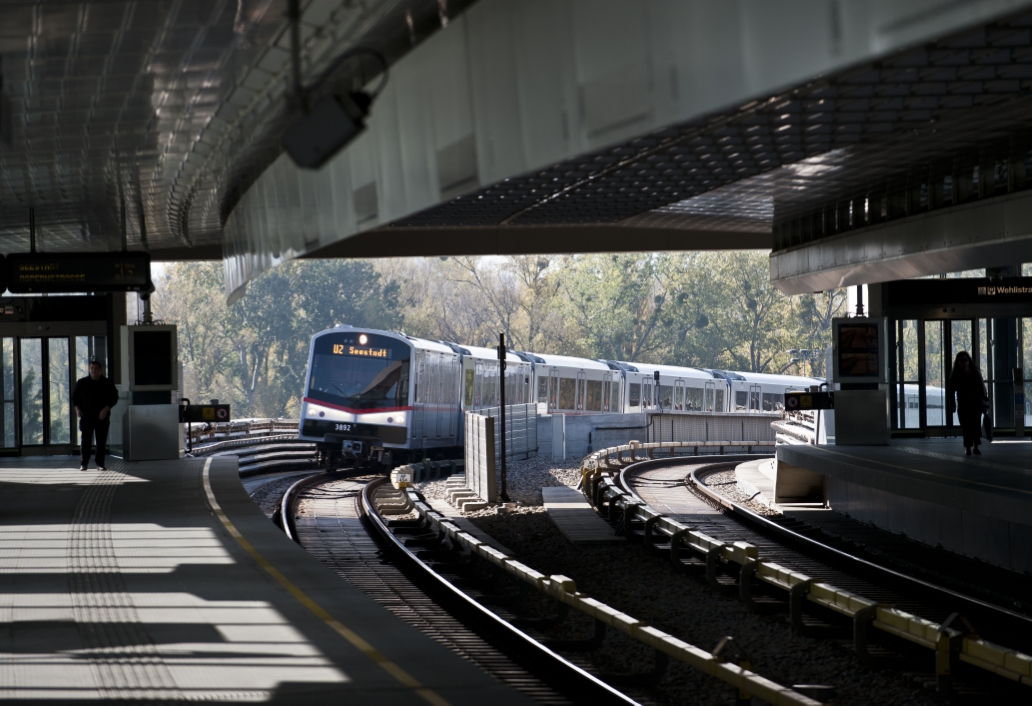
{"type": "Point", "coordinates": [586, 644]}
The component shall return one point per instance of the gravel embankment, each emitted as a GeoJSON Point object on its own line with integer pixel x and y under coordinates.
{"type": "Point", "coordinates": [724, 482]}
{"type": "Point", "coordinates": [648, 587]}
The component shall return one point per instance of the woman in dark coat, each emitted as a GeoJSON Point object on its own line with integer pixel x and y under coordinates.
{"type": "Point", "coordinates": [966, 383]}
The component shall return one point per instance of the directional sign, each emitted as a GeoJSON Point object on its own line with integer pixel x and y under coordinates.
{"type": "Point", "coordinates": [795, 401]}
{"type": "Point", "coordinates": [33, 273]}
{"type": "Point", "coordinates": [200, 413]}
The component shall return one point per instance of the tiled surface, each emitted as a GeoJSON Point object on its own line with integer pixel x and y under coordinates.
{"type": "Point", "coordinates": [124, 585]}
{"type": "Point", "coordinates": [575, 518]}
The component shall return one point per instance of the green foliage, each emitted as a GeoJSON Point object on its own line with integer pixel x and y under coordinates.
{"type": "Point", "coordinates": [711, 310]}
{"type": "Point", "coordinates": [253, 354]}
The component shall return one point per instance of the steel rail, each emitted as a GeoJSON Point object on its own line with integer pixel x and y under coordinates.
{"type": "Point", "coordinates": [566, 678]}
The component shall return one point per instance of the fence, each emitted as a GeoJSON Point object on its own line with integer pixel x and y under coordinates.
{"type": "Point", "coordinates": [521, 437]}
{"type": "Point", "coordinates": [709, 426]}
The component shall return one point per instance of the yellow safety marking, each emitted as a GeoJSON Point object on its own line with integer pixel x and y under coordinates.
{"type": "Point", "coordinates": [321, 613]}
{"type": "Point", "coordinates": [931, 473]}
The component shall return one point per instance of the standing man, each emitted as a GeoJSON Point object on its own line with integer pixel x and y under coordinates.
{"type": "Point", "coordinates": [93, 397]}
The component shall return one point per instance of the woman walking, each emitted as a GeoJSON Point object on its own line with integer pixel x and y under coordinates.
{"type": "Point", "coordinates": [967, 385]}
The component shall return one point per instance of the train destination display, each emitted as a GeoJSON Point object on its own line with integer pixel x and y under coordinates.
{"type": "Point", "coordinates": [54, 273]}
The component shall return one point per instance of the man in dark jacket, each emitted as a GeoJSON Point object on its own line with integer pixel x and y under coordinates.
{"type": "Point", "coordinates": [93, 397]}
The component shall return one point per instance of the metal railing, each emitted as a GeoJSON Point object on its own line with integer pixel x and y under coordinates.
{"type": "Point", "coordinates": [947, 640]}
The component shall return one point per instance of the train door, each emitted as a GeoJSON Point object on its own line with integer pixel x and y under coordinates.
{"type": "Point", "coordinates": [478, 385]}
{"type": "Point", "coordinates": [607, 385]}
{"type": "Point", "coordinates": [755, 395]}
{"type": "Point", "coordinates": [582, 390]}
{"type": "Point", "coordinates": [679, 394]}
{"type": "Point", "coordinates": [437, 397]}
{"type": "Point", "coordinates": [419, 369]}
{"type": "Point", "coordinates": [709, 396]}
{"type": "Point", "coordinates": [553, 390]}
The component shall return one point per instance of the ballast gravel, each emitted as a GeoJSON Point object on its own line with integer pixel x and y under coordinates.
{"type": "Point", "coordinates": [725, 483]}
{"type": "Point", "coordinates": [650, 589]}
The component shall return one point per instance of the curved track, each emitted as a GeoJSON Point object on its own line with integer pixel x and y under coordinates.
{"type": "Point", "coordinates": [676, 488]}
{"type": "Point", "coordinates": [336, 520]}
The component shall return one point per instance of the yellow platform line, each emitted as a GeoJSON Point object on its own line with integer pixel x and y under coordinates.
{"type": "Point", "coordinates": [321, 613]}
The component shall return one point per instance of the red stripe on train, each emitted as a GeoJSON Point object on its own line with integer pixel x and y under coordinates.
{"type": "Point", "coordinates": [342, 408]}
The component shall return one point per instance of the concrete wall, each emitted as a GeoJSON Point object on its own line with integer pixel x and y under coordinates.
{"type": "Point", "coordinates": [591, 432]}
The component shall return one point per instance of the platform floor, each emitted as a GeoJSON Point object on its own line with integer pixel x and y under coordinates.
{"type": "Point", "coordinates": [930, 490]}
{"type": "Point", "coordinates": [163, 580]}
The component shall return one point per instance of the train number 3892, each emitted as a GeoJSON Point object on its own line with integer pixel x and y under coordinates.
{"type": "Point", "coordinates": [342, 427]}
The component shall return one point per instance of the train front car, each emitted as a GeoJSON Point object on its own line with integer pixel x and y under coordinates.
{"type": "Point", "coordinates": [356, 406]}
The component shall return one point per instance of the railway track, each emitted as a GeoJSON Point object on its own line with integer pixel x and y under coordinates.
{"type": "Point", "coordinates": [675, 490]}
{"type": "Point", "coordinates": [336, 519]}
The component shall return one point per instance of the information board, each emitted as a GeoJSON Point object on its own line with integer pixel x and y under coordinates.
{"type": "Point", "coordinates": [53, 273]}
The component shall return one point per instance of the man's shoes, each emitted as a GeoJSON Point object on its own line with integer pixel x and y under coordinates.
{"type": "Point", "coordinates": [101, 468]}
{"type": "Point", "coordinates": [82, 467]}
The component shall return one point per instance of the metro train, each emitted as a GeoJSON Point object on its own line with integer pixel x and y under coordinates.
{"type": "Point", "coordinates": [384, 398]}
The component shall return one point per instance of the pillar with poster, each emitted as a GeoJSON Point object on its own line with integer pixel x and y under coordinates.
{"type": "Point", "coordinates": [860, 368]}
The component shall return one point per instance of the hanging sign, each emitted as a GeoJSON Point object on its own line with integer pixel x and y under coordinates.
{"type": "Point", "coordinates": [52, 273]}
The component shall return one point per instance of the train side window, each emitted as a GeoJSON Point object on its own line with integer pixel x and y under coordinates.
{"type": "Point", "coordinates": [468, 393]}
{"type": "Point", "coordinates": [543, 388]}
{"type": "Point", "coordinates": [635, 394]}
{"type": "Point", "coordinates": [720, 400]}
{"type": "Point", "coordinates": [693, 399]}
{"type": "Point", "coordinates": [567, 393]}
{"type": "Point", "coordinates": [741, 399]}
{"type": "Point", "coordinates": [773, 402]}
{"type": "Point", "coordinates": [666, 394]}
{"type": "Point", "coordinates": [594, 402]}
{"type": "Point", "coordinates": [614, 400]}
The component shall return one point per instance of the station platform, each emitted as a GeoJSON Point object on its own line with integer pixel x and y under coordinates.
{"type": "Point", "coordinates": [162, 580]}
{"type": "Point", "coordinates": [928, 489]}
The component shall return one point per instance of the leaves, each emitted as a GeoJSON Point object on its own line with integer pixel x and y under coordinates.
{"type": "Point", "coordinates": [706, 310]}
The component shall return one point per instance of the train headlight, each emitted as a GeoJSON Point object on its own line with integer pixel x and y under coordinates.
{"type": "Point", "coordinates": [363, 339]}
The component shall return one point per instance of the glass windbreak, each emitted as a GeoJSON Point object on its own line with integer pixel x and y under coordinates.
{"type": "Point", "coordinates": [58, 364]}
{"type": "Point", "coordinates": [8, 401]}
{"type": "Point", "coordinates": [360, 377]}
{"type": "Point", "coordinates": [31, 391]}
{"type": "Point", "coordinates": [936, 355]}
{"type": "Point", "coordinates": [907, 373]}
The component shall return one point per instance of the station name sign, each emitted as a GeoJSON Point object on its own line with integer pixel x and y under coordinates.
{"type": "Point", "coordinates": [67, 273]}
{"type": "Point", "coordinates": [961, 290]}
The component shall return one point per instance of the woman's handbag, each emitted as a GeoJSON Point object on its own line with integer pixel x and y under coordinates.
{"type": "Point", "coordinates": [987, 424]}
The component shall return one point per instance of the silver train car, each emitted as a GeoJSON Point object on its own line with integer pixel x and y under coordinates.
{"type": "Point", "coordinates": [382, 398]}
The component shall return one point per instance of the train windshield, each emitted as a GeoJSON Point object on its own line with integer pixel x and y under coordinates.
{"type": "Point", "coordinates": [374, 375]}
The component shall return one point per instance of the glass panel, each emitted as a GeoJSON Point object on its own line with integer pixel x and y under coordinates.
{"type": "Point", "coordinates": [666, 393]}
{"type": "Point", "coordinates": [634, 398]}
{"type": "Point", "coordinates": [961, 340]}
{"type": "Point", "coordinates": [567, 393]}
{"type": "Point", "coordinates": [935, 373]}
{"type": "Point", "coordinates": [60, 393]}
{"type": "Point", "coordinates": [7, 438]}
{"type": "Point", "coordinates": [32, 391]}
{"type": "Point", "coordinates": [594, 395]}
{"type": "Point", "coordinates": [82, 357]}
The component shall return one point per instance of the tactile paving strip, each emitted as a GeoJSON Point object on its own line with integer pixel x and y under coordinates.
{"type": "Point", "coordinates": [124, 659]}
